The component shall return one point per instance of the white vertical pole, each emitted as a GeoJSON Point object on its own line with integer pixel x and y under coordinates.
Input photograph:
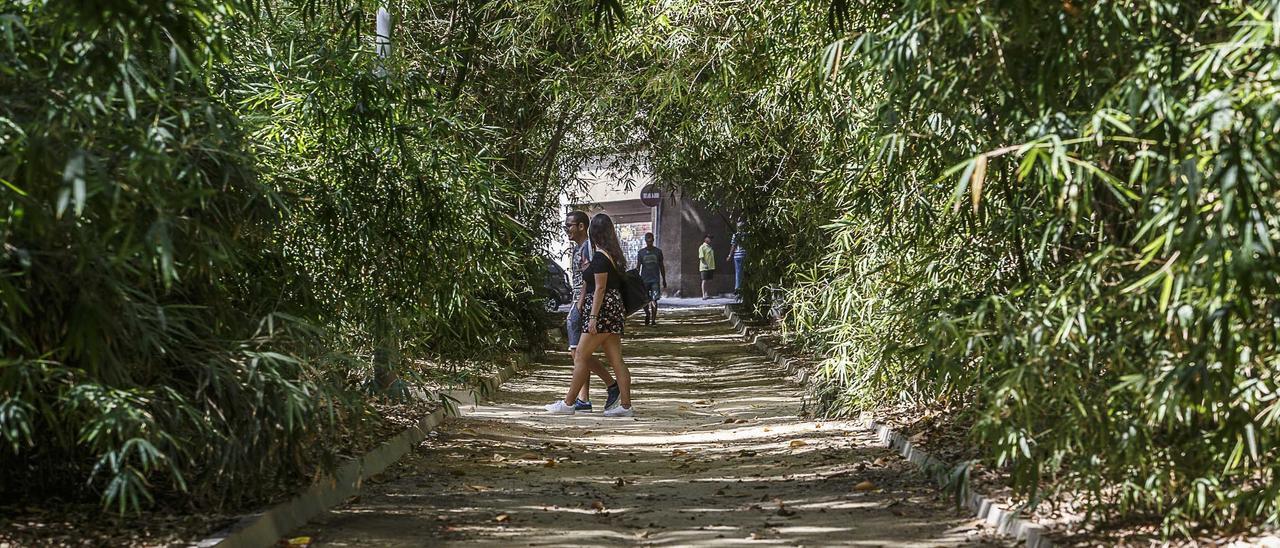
{"type": "Point", "coordinates": [384, 376]}
{"type": "Point", "coordinates": [383, 32]}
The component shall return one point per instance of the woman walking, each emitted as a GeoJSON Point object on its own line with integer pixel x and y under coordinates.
{"type": "Point", "coordinates": [604, 315]}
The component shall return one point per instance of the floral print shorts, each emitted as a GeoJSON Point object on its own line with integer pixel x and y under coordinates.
{"type": "Point", "coordinates": [611, 313]}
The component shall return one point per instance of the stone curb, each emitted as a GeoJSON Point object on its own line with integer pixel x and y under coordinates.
{"type": "Point", "coordinates": [794, 368]}
{"type": "Point", "coordinates": [265, 528]}
{"type": "Point", "coordinates": [994, 514]}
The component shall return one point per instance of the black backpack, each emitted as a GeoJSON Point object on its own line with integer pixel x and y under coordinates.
{"type": "Point", "coordinates": [634, 293]}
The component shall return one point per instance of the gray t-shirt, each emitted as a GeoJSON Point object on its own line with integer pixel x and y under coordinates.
{"type": "Point", "coordinates": [579, 258]}
{"type": "Point", "coordinates": [650, 264]}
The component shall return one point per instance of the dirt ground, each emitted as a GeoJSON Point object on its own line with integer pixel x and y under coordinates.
{"type": "Point", "coordinates": [717, 455]}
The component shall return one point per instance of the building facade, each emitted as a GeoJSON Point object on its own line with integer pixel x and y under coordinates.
{"type": "Point", "coordinates": [678, 225]}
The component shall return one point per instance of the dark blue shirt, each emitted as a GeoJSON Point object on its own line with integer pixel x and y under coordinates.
{"type": "Point", "coordinates": [650, 261]}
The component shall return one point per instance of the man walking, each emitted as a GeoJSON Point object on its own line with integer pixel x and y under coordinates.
{"type": "Point", "coordinates": [575, 226]}
{"type": "Point", "coordinates": [738, 254]}
{"type": "Point", "coordinates": [706, 264]}
{"type": "Point", "coordinates": [653, 271]}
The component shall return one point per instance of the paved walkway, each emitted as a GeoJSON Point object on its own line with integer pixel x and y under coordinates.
{"type": "Point", "coordinates": [716, 456]}
{"type": "Point", "coordinates": [669, 303]}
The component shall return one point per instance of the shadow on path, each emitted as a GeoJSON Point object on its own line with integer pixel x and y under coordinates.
{"type": "Point", "coordinates": [717, 455]}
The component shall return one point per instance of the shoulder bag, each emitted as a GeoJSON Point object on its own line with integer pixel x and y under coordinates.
{"type": "Point", "coordinates": [634, 293]}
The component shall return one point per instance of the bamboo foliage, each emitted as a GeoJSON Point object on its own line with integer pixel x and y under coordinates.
{"type": "Point", "coordinates": [1058, 219]}
{"type": "Point", "coordinates": [229, 225]}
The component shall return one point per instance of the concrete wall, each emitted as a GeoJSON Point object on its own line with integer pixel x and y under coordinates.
{"type": "Point", "coordinates": [624, 213]}
{"type": "Point", "coordinates": [628, 211]}
{"type": "Point", "coordinates": [678, 225]}
{"type": "Point", "coordinates": [682, 223]}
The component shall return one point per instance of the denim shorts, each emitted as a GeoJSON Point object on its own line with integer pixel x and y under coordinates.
{"type": "Point", "coordinates": [573, 325]}
{"type": "Point", "coordinates": [655, 290]}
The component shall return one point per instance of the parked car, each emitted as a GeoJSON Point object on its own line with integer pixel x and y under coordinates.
{"type": "Point", "coordinates": [556, 288]}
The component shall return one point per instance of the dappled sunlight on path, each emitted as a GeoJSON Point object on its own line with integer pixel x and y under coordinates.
{"type": "Point", "coordinates": [717, 455]}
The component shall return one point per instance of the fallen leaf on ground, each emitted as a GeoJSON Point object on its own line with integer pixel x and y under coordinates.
{"type": "Point", "coordinates": [498, 458]}
{"type": "Point", "coordinates": [679, 452]}
{"type": "Point", "coordinates": [798, 443]}
{"type": "Point", "coordinates": [864, 486]}
{"type": "Point", "coordinates": [501, 518]}
{"type": "Point", "coordinates": [551, 463]}
{"type": "Point", "coordinates": [597, 505]}
{"type": "Point", "coordinates": [478, 488]}
{"type": "Point", "coordinates": [297, 542]}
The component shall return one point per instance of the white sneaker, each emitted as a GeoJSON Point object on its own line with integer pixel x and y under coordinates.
{"type": "Point", "coordinates": [619, 411]}
{"type": "Point", "coordinates": [559, 408]}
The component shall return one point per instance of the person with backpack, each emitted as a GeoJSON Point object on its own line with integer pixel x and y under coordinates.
{"type": "Point", "coordinates": [605, 316]}
{"type": "Point", "coordinates": [575, 226]}
{"type": "Point", "coordinates": [653, 271]}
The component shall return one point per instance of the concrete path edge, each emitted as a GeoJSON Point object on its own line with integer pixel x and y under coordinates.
{"type": "Point", "coordinates": [263, 529]}
{"type": "Point", "coordinates": [1004, 520]}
